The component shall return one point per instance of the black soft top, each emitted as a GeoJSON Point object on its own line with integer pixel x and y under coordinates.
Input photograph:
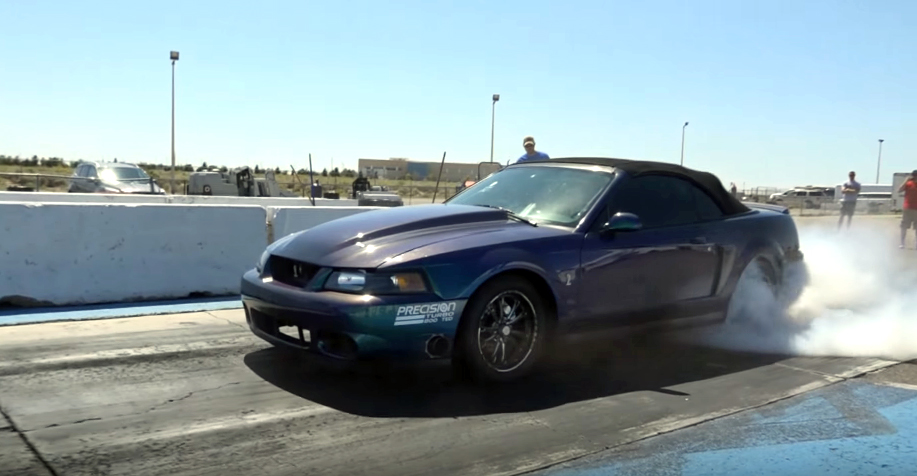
{"type": "Point", "coordinates": [705, 180]}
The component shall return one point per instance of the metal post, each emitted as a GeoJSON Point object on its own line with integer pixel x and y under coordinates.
{"type": "Point", "coordinates": [174, 57]}
{"type": "Point", "coordinates": [493, 115]}
{"type": "Point", "coordinates": [441, 164]}
{"type": "Point", "coordinates": [311, 182]}
{"type": "Point", "coordinates": [879, 164]}
{"type": "Point", "coordinates": [683, 143]}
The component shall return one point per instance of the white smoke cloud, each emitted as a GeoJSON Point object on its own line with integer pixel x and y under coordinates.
{"type": "Point", "coordinates": [858, 299]}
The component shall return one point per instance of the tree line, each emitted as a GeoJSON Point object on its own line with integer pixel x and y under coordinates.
{"type": "Point", "coordinates": [57, 162]}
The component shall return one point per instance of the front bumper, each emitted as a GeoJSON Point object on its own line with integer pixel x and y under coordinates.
{"type": "Point", "coordinates": [348, 326]}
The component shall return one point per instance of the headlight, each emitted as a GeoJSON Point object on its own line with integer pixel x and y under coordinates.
{"type": "Point", "coordinates": [359, 281]}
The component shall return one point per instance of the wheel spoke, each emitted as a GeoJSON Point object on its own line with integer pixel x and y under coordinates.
{"type": "Point", "coordinates": [515, 317]}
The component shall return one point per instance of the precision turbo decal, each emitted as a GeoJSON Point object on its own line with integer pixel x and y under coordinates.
{"type": "Point", "coordinates": [429, 313]}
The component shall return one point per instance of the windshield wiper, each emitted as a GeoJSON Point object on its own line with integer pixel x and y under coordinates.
{"type": "Point", "coordinates": [508, 212]}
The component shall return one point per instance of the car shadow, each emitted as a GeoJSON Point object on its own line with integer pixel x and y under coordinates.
{"type": "Point", "coordinates": [585, 372]}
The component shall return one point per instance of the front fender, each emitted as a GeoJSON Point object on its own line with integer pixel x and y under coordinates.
{"type": "Point", "coordinates": [508, 267]}
{"type": "Point", "coordinates": [460, 275]}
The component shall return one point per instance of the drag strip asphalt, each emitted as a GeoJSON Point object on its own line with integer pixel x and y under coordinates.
{"type": "Point", "coordinates": [198, 394]}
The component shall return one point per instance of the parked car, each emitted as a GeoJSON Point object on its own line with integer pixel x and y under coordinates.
{"type": "Point", "coordinates": [534, 252]}
{"type": "Point", "coordinates": [112, 177]}
{"type": "Point", "coordinates": [803, 197]}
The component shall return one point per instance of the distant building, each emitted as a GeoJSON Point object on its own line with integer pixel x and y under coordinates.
{"type": "Point", "coordinates": [399, 169]}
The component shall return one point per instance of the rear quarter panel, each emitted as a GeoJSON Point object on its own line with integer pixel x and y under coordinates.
{"type": "Point", "coordinates": [744, 237]}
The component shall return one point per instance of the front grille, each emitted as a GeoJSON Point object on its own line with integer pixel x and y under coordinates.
{"type": "Point", "coordinates": [292, 272]}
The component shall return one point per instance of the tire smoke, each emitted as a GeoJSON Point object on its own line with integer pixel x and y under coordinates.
{"type": "Point", "coordinates": [855, 295]}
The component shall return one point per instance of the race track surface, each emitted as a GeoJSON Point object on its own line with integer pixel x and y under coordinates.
{"type": "Point", "coordinates": [197, 394]}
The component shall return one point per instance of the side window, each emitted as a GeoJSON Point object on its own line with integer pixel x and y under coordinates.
{"type": "Point", "coordinates": [705, 207]}
{"type": "Point", "coordinates": [90, 171]}
{"type": "Point", "coordinates": [662, 201]}
{"type": "Point", "coordinates": [79, 170]}
{"type": "Point", "coordinates": [658, 201]}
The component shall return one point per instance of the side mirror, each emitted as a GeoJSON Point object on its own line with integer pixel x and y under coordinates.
{"type": "Point", "coordinates": [622, 221]}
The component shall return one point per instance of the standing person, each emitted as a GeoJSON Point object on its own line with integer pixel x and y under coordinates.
{"type": "Point", "coordinates": [909, 214]}
{"type": "Point", "coordinates": [530, 153]}
{"type": "Point", "coordinates": [850, 190]}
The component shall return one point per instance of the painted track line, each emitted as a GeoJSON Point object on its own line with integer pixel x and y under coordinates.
{"type": "Point", "coordinates": [11, 317]}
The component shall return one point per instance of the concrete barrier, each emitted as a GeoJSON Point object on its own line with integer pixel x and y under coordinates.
{"type": "Point", "coordinates": [93, 253]}
{"type": "Point", "coordinates": [55, 197]}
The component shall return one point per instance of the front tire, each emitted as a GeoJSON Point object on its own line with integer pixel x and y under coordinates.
{"type": "Point", "coordinates": [503, 331]}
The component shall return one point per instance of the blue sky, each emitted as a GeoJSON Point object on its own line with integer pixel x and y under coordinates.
{"type": "Point", "coordinates": [777, 93]}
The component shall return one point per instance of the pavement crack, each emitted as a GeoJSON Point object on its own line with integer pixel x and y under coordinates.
{"type": "Point", "coordinates": [25, 440]}
{"type": "Point", "coordinates": [73, 422]}
{"type": "Point", "coordinates": [240, 326]}
{"type": "Point", "coordinates": [189, 394]}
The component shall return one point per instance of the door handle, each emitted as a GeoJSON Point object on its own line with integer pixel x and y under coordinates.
{"type": "Point", "coordinates": [699, 240]}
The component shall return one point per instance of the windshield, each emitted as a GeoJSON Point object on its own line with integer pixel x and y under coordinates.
{"type": "Point", "coordinates": [116, 174]}
{"type": "Point", "coordinates": [554, 195]}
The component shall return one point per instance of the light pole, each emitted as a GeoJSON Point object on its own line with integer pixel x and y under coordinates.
{"type": "Point", "coordinates": [683, 143]}
{"type": "Point", "coordinates": [879, 164]}
{"type": "Point", "coordinates": [173, 55]}
{"type": "Point", "coordinates": [493, 115]}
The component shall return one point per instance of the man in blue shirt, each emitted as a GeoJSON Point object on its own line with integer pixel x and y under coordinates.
{"type": "Point", "coordinates": [530, 152]}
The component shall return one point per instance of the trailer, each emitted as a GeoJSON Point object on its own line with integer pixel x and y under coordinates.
{"type": "Point", "coordinates": [238, 182]}
{"type": "Point", "coordinates": [898, 178]}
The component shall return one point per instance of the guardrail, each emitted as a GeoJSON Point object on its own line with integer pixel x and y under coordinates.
{"type": "Point", "coordinates": [38, 178]}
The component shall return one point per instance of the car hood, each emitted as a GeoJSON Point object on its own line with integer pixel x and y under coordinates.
{"type": "Point", "coordinates": [370, 239]}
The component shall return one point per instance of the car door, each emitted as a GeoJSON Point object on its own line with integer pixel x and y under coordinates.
{"type": "Point", "coordinates": [91, 175]}
{"type": "Point", "coordinates": [816, 198]}
{"type": "Point", "coordinates": [75, 182]}
{"type": "Point", "coordinates": [84, 185]}
{"type": "Point", "coordinates": [645, 274]}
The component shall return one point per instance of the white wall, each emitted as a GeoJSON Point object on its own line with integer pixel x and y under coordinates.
{"type": "Point", "coordinates": [68, 253]}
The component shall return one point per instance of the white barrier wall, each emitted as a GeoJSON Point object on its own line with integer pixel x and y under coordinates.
{"type": "Point", "coordinates": [70, 254]}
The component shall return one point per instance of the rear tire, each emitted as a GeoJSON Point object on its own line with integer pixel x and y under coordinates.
{"type": "Point", "coordinates": [503, 331]}
{"type": "Point", "coordinates": [749, 296]}
{"type": "Point", "coordinates": [769, 273]}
